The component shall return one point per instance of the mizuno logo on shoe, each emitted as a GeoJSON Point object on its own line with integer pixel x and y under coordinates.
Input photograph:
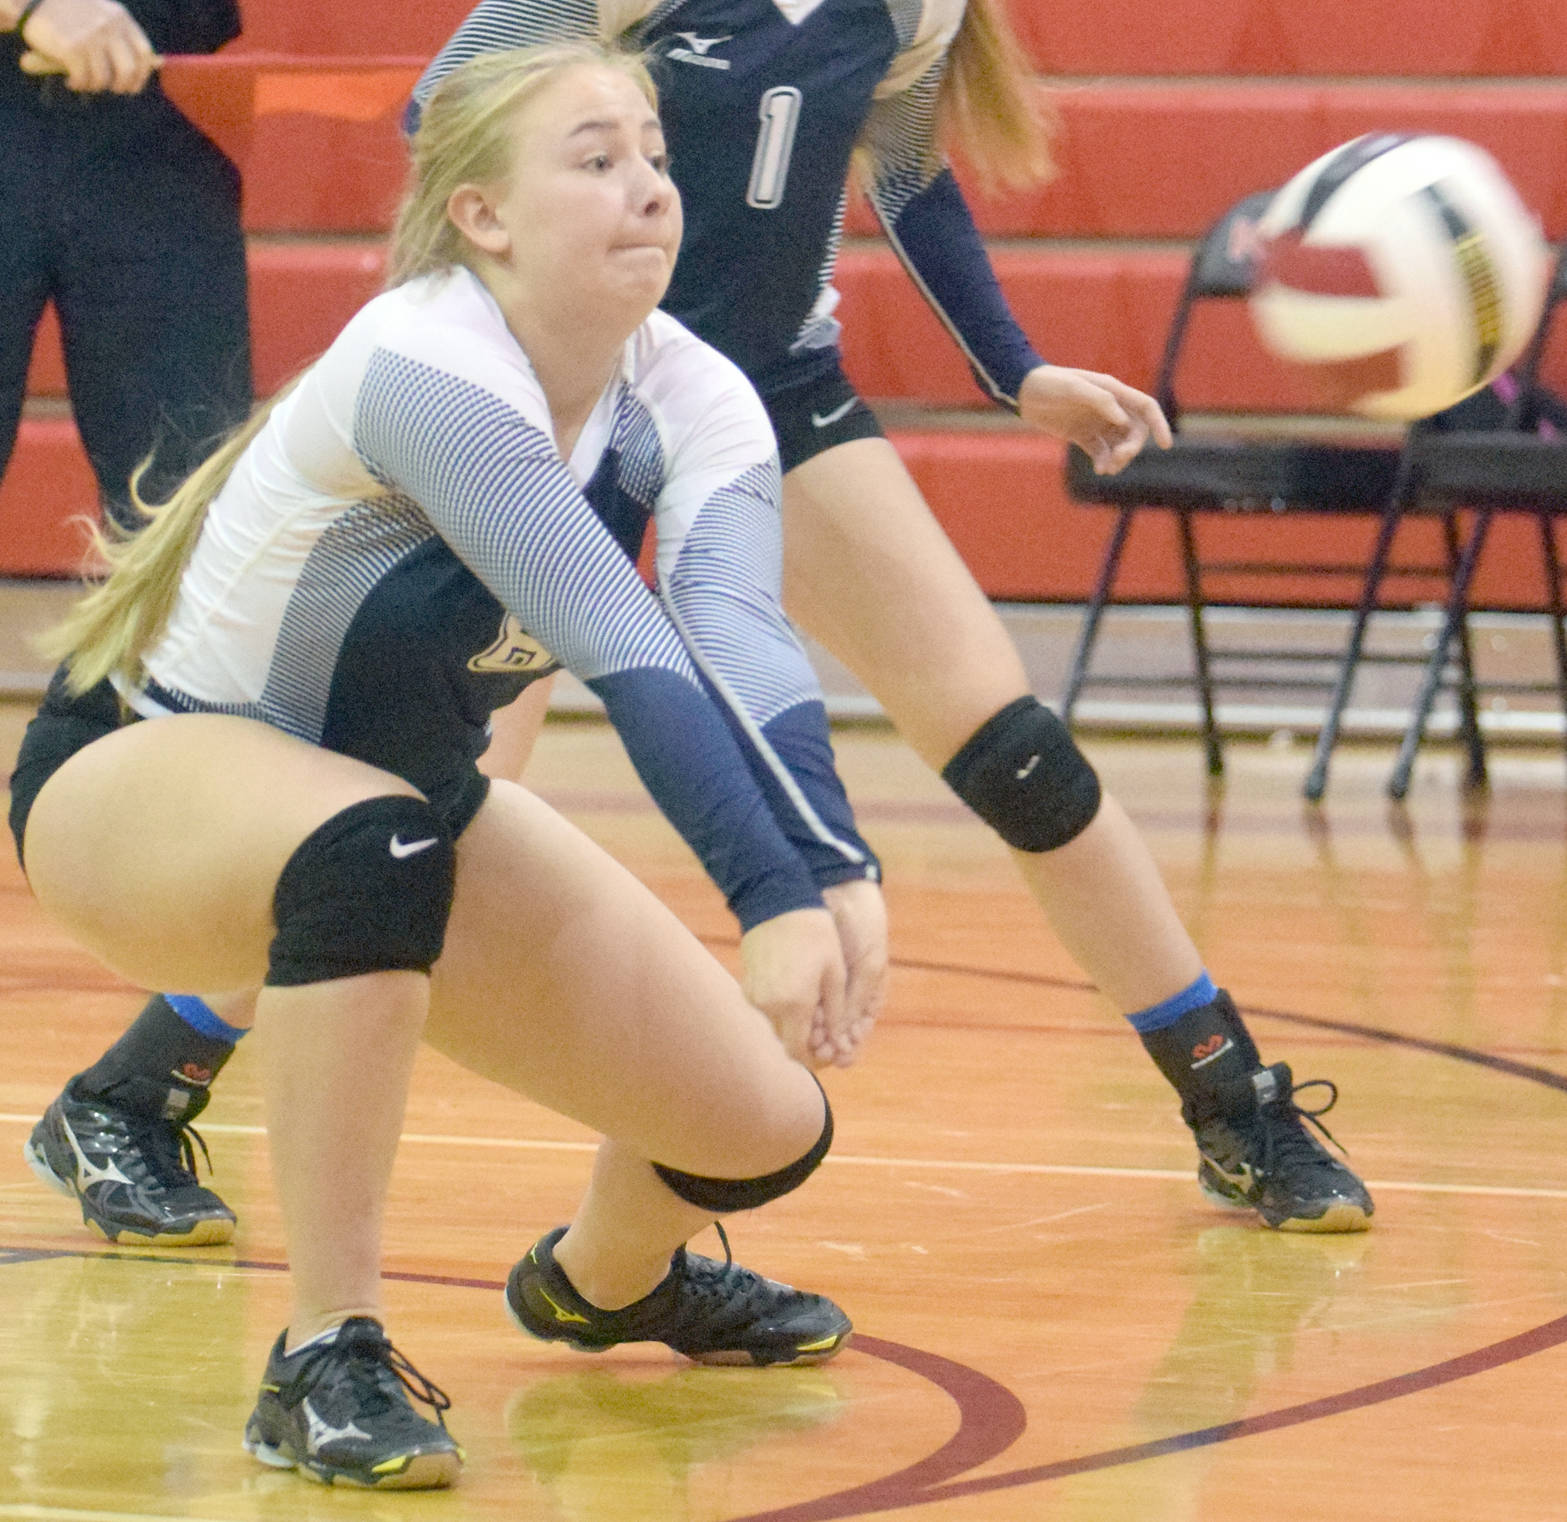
{"type": "Point", "coordinates": [1211, 1049]}
{"type": "Point", "coordinates": [561, 1313]}
{"type": "Point", "coordinates": [321, 1433]}
{"type": "Point", "coordinates": [827, 419]}
{"type": "Point", "coordinates": [1243, 1177]}
{"type": "Point", "coordinates": [88, 1172]}
{"type": "Point", "coordinates": [401, 848]}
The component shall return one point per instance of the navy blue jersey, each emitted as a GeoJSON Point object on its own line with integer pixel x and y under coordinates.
{"type": "Point", "coordinates": [763, 103]}
{"type": "Point", "coordinates": [402, 549]}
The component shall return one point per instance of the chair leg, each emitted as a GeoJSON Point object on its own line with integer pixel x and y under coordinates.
{"type": "Point", "coordinates": [1468, 697]}
{"type": "Point", "coordinates": [1327, 736]}
{"type": "Point", "coordinates": [1452, 620]}
{"type": "Point", "coordinates": [1077, 675]}
{"type": "Point", "coordinates": [1200, 662]}
{"type": "Point", "coordinates": [1553, 592]}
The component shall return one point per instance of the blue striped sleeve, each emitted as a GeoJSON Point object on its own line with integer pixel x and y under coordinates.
{"type": "Point", "coordinates": [723, 592]}
{"type": "Point", "coordinates": [932, 231]}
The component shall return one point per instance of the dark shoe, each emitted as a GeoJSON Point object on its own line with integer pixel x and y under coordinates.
{"type": "Point", "coordinates": [1257, 1154]}
{"type": "Point", "coordinates": [133, 1173]}
{"type": "Point", "coordinates": [711, 1312]}
{"type": "Point", "coordinates": [339, 1413]}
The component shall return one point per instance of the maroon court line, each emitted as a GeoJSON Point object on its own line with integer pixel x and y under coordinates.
{"type": "Point", "coordinates": [888, 1495]}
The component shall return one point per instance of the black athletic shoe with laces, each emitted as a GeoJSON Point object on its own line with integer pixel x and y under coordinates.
{"type": "Point", "coordinates": [1257, 1154]}
{"type": "Point", "coordinates": [709, 1311]}
{"type": "Point", "coordinates": [338, 1411]}
{"type": "Point", "coordinates": [133, 1173]}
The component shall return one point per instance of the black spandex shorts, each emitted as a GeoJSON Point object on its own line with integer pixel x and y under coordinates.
{"type": "Point", "coordinates": [65, 724]}
{"type": "Point", "coordinates": [816, 414]}
{"type": "Point", "coordinates": [62, 726]}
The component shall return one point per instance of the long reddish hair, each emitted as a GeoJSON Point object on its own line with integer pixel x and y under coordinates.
{"type": "Point", "coordinates": [993, 108]}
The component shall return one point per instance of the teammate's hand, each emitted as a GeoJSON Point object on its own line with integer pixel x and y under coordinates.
{"type": "Point", "coordinates": [860, 914]}
{"type": "Point", "coordinates": [794, 974]}
{"type": "Point", "coordinates": [96, 44]}
{"type": "Point", "coordinates": [1107, 419]}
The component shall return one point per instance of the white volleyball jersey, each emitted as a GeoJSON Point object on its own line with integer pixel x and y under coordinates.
{"type": "Point", "coordinates": [402, 549]}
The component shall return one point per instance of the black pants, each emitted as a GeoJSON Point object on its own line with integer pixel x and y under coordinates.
{"type": "Point", "coordinates": [126, 216]}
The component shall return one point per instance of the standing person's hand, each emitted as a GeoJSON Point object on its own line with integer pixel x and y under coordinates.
{"type": "Point", "coordinates": [1107, 419]}
{"type": "Point", "coordinates": [794, 974]}
{"type": "Point", "coordinates": [860, 914]}
{"type": "Point", "coordinates": [96, 44]}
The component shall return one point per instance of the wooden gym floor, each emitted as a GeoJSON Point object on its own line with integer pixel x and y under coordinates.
{"type": "Point", "coordinates": [1052, 1323]}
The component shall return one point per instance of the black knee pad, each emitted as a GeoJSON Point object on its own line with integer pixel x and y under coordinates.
{"type": "Point", "coordinates": [1023, 774]}
{"type": "Point", "coordinates": [721, 1195]}
{"type": "Point", "coordinates": [369, 891]}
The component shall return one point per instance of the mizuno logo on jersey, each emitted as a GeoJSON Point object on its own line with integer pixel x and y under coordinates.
{"type": "Point", "coordinates": [697, 49]}
{"type": "Point", "coordinates": [514, 650]}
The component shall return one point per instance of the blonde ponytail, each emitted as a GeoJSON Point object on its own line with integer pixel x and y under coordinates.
{"type": "Point", "coordinates": [112, 627]}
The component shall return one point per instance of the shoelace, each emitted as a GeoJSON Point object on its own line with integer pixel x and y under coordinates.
{"type": "Point", "coordinates": [383, 1359]}
{"type": "Point", "coordinates": [167, 1150]}
{"type": "Point", "coordinates": [1279, 1141]}
{"type": "Point", "coordinates": [714, 1281]}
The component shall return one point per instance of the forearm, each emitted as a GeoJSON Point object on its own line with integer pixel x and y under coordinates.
{"type": "Point", "coordinates": [934, 235]}
{"type": "Point", "coordinates": [678, 742]}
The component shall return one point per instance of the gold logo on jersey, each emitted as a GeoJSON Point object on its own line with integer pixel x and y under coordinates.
{"type": "Point", "coordinates": [514, 650]}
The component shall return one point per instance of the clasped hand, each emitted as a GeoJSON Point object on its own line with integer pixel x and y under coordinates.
{"type": "Point", "coordinates": [820, 975]}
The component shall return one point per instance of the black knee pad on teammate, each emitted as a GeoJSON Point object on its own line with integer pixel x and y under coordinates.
{"type": "Point", "coordinates": [721, 1195]}
{"type": "Point", "coordinates": [369, 891]}
{"type": "Point", "coordinates": [1023, 774]}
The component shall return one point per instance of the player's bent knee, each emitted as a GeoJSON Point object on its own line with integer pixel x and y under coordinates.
{"type": "Point", "coordinates": [369, 891]}
{"type": "Point", "coordinates": [721, 1195]}
{"type": "Point", "coordinates": [1023, 774]}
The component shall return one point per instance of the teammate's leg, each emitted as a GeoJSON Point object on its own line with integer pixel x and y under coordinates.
{"type": "Point", "coordinates": [861, 548]}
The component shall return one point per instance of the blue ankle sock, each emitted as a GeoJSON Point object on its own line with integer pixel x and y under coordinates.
{"type": "Point", "coordinates": [202, 1019]}
{"type": "Point", "coordinates": [1157, 1016]}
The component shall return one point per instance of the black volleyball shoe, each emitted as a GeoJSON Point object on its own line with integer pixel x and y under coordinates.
{"type": "Point", "coordinates": [711, 1312]}
{"type": "Point", "coordinates": [132, 1170]}
{"type": "Point", "coordinates": [1255, 1153]}
{"type": "Point", "coordinates": [337, 1410]}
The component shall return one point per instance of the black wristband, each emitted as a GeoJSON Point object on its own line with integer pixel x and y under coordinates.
{"type": "Point", "coordinates": [26, 15]}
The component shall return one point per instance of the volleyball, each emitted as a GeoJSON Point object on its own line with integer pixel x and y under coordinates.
{"type": "Point", "coordinates": [1404, 271]}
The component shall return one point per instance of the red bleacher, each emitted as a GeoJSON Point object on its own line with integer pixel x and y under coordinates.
{"type": "Point", "coordinates": [1166, 118]}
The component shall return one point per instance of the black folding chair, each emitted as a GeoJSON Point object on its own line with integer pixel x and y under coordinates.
{"type": "Point", "coordinates": [1230, 475]}
{"type": "Point", "coordinates": [1521, 469]}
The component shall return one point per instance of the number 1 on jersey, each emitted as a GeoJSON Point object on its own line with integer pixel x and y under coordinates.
{"type": "Point", "coordinates": [780, 114]}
